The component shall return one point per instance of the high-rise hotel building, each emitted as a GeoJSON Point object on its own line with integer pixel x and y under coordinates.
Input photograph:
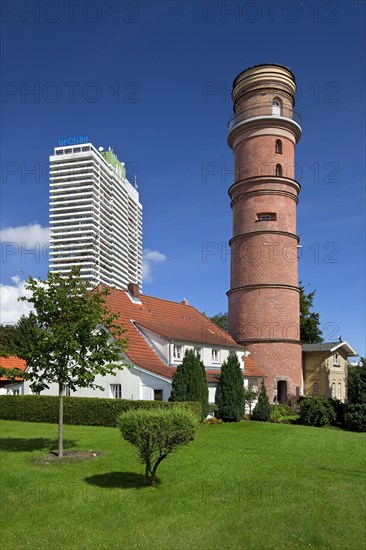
{"type": "Point", "coordinates": [95, 216]}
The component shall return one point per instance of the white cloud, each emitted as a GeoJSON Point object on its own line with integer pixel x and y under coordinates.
{"type": "Point", "coordinates": [11, 309]}
{"type": "Point", "coordinates": [149, 259]}
{"type": "Point", "coordinates": [30, 234]}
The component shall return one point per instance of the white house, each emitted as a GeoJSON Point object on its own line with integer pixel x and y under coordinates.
{"type": "Point", "coordinates": [158, 333]}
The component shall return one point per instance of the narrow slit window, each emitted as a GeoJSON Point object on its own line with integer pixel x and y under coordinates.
{"type": "Point", "coordinates": [278, 146]}
{"type": "Point", "coordinates": [266, 217]}
{"type": "Point", "coordinates": [278, 171]}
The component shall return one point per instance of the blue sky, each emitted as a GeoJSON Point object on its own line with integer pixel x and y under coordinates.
{"type": "Point", "coordinates": [153, 81]}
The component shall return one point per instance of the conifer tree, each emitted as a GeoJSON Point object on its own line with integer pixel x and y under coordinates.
{"type": "Point", "coordinates": [262, 410]}
{"type": "Point", "coordinates": [229, 396]}
{"type": "Point", "coordinates": [189, 382]}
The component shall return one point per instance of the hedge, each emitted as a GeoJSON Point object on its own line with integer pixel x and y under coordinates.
{"type": "Point", "coordinates": [89, 411]}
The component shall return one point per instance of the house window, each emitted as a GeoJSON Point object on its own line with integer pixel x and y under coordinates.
{"type": "Point", "coordinates": [198, 352]}
{"type": "Point", "coordinates": [278, 171]}
{"type": "Point", "coordinates": [158, 395]}
{"type": "Point", "coordinates": [116, 391]}
{"type": "Point", "coordinates": [215, 356]}
{"type": "Point", "coordinates": [333, 390]}
{"type": "Point", "coordinates": [339, 392]}
{"type": "Point", "coordinates": [266, 216]}
{"type": "Point", "coordinates": [177, 352]}
{"type": "Point", "coordinates": [278, 146]}
{"type": "Point", "coordinates": [336, 359]}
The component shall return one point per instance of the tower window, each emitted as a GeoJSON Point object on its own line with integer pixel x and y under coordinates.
{"type": "Point", "coordinates": [266, 216]}
{"type": "Point", "coordinates": [276, 106]}
{"type": "Point", "coordinates": [278, 171]}
{"type": "Point", "coordinates": [278, 146]}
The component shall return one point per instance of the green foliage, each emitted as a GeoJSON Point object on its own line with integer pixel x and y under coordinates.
{"type": "Point", "coordinates": [338, 408]}
{"type": "Point", "coordinates": [356, 382]}
{"type": "Point", "coordinates": [229, 396]}
{"type": "Point", "coordinates": [310, 332]}
{"type": "Point", "coordinates": [355, 417]}
{"type": "Point", "coordinates": [250, 396]}
{"type": "Point", "coordinates": [262, 411]}
{"type": "Point", "coordinates": [88, 411]}
{"type": "Point", "coordinates": [280, 413]}
{"type": "Point", "coordinates": [156, 434]}
{"type": "Point", "coordinates": [189, 382]}
{"type": "Point", "coordinates": [221, 320]}
{"type": "Point", "coordinates": [67, 339]}
{"type": "Point", "coordinates": [317, 411]}
{"type": "Point", "coordinates": [6, 337]}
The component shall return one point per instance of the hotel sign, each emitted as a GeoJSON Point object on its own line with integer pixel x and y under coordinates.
{"type": "Point", "coordinates": [76, 140]}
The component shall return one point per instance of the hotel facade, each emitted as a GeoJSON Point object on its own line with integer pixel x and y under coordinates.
{"type": "Point", "coordinates": [95, 216]}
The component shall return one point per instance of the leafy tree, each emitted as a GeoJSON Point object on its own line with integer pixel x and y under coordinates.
{"type": "Point", "coordinates": [355, 409]}
{"type": "Point", "coordinates": [262, 411]}
{"type": "Point", "coordinates": [6, 336]}
{"type": "Point", "coordinates": [310, 332]}
{"type": "Point", "coordinates": [189, 382]}
{"type": "Point", "coordinates": [356, 382]}
{"type": "Point", "coordinates": [73, 337]}
{"type": "Point", "coordinates": [229, 396]}
{"type": "Point", "coordinates": [156, 433]}
{"type": "Point", "coordinates": [221, 320]}
{"type": "Point", "coordinates": [250, 396]}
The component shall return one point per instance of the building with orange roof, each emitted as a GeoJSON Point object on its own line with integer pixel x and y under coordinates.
{"type": "Point", "coordinates": [158, 334]}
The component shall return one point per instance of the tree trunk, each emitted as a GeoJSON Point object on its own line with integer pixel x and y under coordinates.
{"type": "Point", "coordinates": [60, 421]}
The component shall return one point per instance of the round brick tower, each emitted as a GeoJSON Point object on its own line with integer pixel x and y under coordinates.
{"type": "Point", "coordinates": [264, 304]}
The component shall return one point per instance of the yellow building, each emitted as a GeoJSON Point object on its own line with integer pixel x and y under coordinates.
{"type": "Point", "coordinates": [324, 368]}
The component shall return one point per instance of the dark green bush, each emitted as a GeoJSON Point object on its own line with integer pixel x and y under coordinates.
{"type": "Point", "coordinates": [355, 417]}
{"type": "Point", "coordinates": [316, 411]}
{"type": "Point", "coordinates": [88, 411]}
{"type": "Point", "coordinates": [262, 411]}
{"type": "Point", "coordinates": [156, 433]}
{"type": "Point", "coordinates": [338, 408]}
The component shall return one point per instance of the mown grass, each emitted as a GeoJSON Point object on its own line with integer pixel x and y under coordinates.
{"type": "Point", "coordinates": [248, 485]}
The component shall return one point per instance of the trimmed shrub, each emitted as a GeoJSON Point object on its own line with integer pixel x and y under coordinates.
{"type": "Point", "coordinates": [262, 411]}
{"type": "Point", "coordinates": [316, 411]}
{"type": "Point", "coordinates": [156, 433]}
{"type": "Point", "coordinates": [229, 396]}
{"type": "Point", "coordinates": [189, 382]}
{"type": "Point", "coordinates": [355, 417]}
{"type": "Point", "coordinates": [88, 411]}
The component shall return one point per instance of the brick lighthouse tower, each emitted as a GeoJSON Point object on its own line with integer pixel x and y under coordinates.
{"type": "Point", "coordinates": [264, 304]}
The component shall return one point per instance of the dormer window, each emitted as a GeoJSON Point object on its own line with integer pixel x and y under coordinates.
{"type": "Point", "coordinates": [278, 146]}
{"type": "Point", "coordinates": [177, 352]}
{"type": "Point", "coordinates": [216, 356]}
{"type": "Point", "coordinates": [336, 360]}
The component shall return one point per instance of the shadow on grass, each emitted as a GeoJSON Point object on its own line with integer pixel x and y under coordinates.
{"type": "Point", "coordinates": [11, 444]}
{"type": "Point", "coordinates": [118, 480]}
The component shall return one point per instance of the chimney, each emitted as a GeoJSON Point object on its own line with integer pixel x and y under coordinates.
{"type": "Point", "coordinates": [185, 302]}
{"type": "Point", "coordinates": [133, 289]}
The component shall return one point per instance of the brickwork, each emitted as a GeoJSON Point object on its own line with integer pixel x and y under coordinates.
{"type": "Point", "coordinates": [264, 306]}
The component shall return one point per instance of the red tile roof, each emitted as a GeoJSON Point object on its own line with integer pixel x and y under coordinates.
{"type": "Point", "coordinates": [172, 320]}
{"type": "Point", "coordinates": [12, 362]}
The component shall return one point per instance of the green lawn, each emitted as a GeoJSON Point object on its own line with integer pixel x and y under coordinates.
{"type": "Point", "coordinates": [239, 486]}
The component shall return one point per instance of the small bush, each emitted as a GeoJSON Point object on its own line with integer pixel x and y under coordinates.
{"type": "Point", "coordinates": [280, 413]}
{"type": "Point", "coordinates": [316, 411]}
{"type": "Point", "coordinates": [88, 411]}
{"type": "Point", "coordinates": [213, 420]}
{"type": "Point", "coordinates": [338, 408]}
{"type": "Point", "coordinates": [262, 411]}
{"type": "Point", "coordinates": [156, 434]}
{"type": "Point", "coordinates": [355, 417]}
